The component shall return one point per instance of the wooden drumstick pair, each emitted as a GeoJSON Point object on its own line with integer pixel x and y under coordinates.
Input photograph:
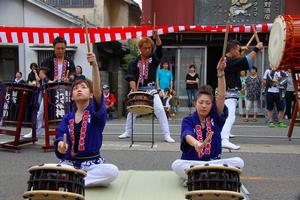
{"type": "Point", "coordinates": [255, 35]}
{"type": "Point", "coordinates": [65, 141]}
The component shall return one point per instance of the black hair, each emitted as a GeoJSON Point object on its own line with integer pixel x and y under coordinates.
{"type": "Point", "coordinates": [59, 40]}
{"type": "Point", "coordinates": [20, 73]}
{"type": "Point", "coordinates": [232, 44]}
{"type": "Point", "coordinates": [254, 68]}
{"type": "Point", "coordinates": [33, 65]}
{"type": "Point", "coordinates": [192, 66]}
{"type": "Point", "coordinates": [206, 90]}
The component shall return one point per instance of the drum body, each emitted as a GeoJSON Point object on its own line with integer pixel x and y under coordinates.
{"type": "Point", "coordinates": [55, 181]}
{"type": "Point", "coordinates": [140, 103]}
{"type": "Point", "coordinates": [59, 101]}
{"type": "Point", "coordinates": [11, 104]}
{"type": "Point", "coordinates": [284, 42]}
{"type": "Point", "coordinates": [213, 182]}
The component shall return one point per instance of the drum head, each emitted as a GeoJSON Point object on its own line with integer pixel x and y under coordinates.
{"type": "Point", "coordinates": [139, 93]}
{"type": "Point", "coordinates": [58, 167]}
{"type": "Point", "coordinates": [50, 195]}
{"type": "Point", "coordinates": [213, 195]}
{"type": "Point", "coordinates": [140, 109]}
{"type": "Point", "coordinates": [277, 42]}
{"type": "Point", "coordinates": [207, 167]}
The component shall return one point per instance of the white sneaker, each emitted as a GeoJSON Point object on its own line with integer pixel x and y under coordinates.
{"type": "Point", "coordinates": [231, 136]}
{"type": "Point", "coordinates": [228, 145]}
{"type": "Point", "coordinates": [39, 133]}
{"type": "Point", "coordinates": [169, 139]}
{"type": "Point", "coordinates": [124, 135]}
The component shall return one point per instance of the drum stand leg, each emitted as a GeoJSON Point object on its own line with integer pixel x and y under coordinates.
{"type": "Point", "coordinates": [131, 131]}
{"type": "Point", "coordinates": [152, 129]}
{"type": "Point", "coordinates": [152, 134]}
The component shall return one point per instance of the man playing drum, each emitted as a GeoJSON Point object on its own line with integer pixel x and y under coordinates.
{"type": "Point", "coordinates": [235, 64]}
{"type": "Point", "coordinates": [141, 76]}
{"type": "Point", "coordinates": [54, 68]}
{"type": "Point", "coordinates": [83, 129]}
{"type": "Point", "coordinates": [201, 132]}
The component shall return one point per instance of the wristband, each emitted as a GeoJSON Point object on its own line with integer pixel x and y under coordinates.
{"type": "Point", "coordinates": [255, 49]}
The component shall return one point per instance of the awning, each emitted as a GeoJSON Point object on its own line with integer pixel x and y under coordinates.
{"type": "Point", "coordinates": [42, 35]}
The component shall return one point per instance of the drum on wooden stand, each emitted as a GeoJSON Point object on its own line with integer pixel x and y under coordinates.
{"type": "Point", "coordinates": [284, 42]}
{"type": "Point", "coordinates": [55, 181]}
{"type": "Point", "coordinates": [211, 182]}
{"type": "Point", "coordinates": [140, 103]}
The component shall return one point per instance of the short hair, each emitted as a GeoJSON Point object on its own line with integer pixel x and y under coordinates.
{"type": "Point", "coordinates": [19, 73]}
{"type": "Point", "coordinates": [33, 65]}
{"type": "Point", "coordinates": [59, 40]}
{"type": "Point", "coordinates": [205, 90]}
{"type": "Point", "coordinates": [232, 44]}
{"type": "Point", "coordinates": [255, 68]}
{"type": "Point", "coordinates": [80, 68]}
{"type": "Point", "coordinates": [86, 81]}
{"type": "Point", "coordinates": [145, 40]}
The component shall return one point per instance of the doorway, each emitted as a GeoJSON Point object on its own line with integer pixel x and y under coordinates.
{"type": "Point", "coordinates": [214, 53]}
{"type": "Point", "coordinates": [8, 63]}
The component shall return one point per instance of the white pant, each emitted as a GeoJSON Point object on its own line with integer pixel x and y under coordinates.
{"type": "Point", "coordinates": [160, 114]}
{"type": "Point", "coordinates": [249, 104]}
{"type": "Point", "coordinates": [241, 110]}
{"type": "Point", "coordinates": [40, 116]}
{"type": "Point", "coordinates": [179, 166]}
{"type": "Point", "coordinates": [231, 105]}
{"type": "Point", "coordinates": [98, 174]}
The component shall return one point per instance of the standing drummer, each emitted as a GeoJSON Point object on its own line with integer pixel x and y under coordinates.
{"type": "Point", "coordinates": [141, 76]}
{"type": "Point", "coordinates": [235, 64]}
{"type": "Point", "coordinates": [54, 68]}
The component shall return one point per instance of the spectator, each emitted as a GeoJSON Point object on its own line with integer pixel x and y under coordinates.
{"type": "Point", "coordinates": [243, 76]}
{"type": "Point", "coordinates": [78, 74]}
{"type": "Point", "coordinates": [253, 86]}
{"type": "Point", "coordinates": [18, 78]}
{"type": "Point", "coordinates": [33, 77]}
{"type": "Point", "coordinates": [166, 101]}
{"type": "Point", "coordinates": [110, 101]}
{"type": "Point", "coordinates": [164, 78]}
{"type": "Point", "coordinates": [174, 103]}
{"type": "Point", "coordinates": [289, 95]}
{"type": "Point", "coordinates": [72, 78]}
{"type": "Point", "coordinates": [271, 79]}
{"type": "Point", "coordinates": [192, 81]}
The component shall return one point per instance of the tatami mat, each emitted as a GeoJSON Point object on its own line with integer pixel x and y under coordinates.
{"type": "Point", "coordinates": [137, 185]}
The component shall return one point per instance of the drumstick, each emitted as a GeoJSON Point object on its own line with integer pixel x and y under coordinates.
{"type": "Point", "coordinates": [86, 34]}
{"type": "Point", "coordinates": [255, 33]}
{"type": "Point", "coordinates": [67, 75]}
{"type": "Point", "coordinates": [225, 41]}
{"type": "Point", "coordinates": [207, 138]}
{"type": "Point", "coordinates": [154, 23]}
{"type": "Point", "coordinates": [247, 45]}
{"type": "Point", "coordinates": [65, 141]}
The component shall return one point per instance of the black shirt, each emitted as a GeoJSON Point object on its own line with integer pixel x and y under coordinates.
{"type": "Point", "coordinates": [192, 78]}
{"type": "Point", "coordinates": [31, 77]}
{"type": "Point", "coordinates": [154, 60]}
{"type": "Point", "coordinates": [48, 64]}
{"type": "Point", "coordinates": [232, 71]}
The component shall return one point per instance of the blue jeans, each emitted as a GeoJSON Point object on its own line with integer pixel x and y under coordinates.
{"type": "Point", "coordinates": [191, 96]}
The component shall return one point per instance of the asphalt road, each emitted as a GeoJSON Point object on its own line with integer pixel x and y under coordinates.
{"type": "Point", "coordinates": [272, 163]}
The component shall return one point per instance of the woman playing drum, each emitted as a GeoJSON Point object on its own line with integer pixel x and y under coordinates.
{"type": "Point", "coordinates": [201, 132]}
{"type": "Point", "coordinates": [83, 128]}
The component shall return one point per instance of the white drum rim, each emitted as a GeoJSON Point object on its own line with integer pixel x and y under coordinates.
{"type": "Point", "coordinates": [206, 167]}
{"type": "Point", "coordinates": [59, 167]}
{"type": "Point", "coordinates": [51, 194]}
{"type": "Point", "coordinates": [276, 52]}
{"type": "Point", "coordinates": [215, 192]}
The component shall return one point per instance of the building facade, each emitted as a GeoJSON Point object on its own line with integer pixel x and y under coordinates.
{"type": "Point", "coordinates": [205, 49]}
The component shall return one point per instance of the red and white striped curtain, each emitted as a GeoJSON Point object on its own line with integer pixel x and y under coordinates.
{"type": "Point", "coordinates": [42, 35]}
